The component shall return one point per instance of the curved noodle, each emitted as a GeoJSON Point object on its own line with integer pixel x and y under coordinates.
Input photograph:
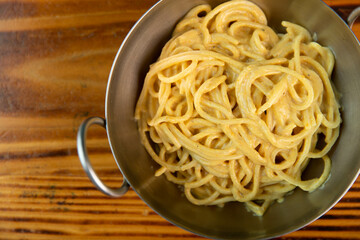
{"type": "Point", "coordinates": [237, 111]}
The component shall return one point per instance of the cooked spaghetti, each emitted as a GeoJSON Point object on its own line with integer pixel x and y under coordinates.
{"type": "Point", "coordinates": [233, 111]}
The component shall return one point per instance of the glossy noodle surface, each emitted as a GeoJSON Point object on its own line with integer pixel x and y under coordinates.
{"type": "Point", "coordinates": [233, 111]}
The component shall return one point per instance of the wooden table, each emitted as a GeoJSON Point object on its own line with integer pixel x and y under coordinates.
{"type": "Point", "coordinates": [55, 57]}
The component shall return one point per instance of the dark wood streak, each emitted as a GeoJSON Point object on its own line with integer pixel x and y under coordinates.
{"type": "Point", "coordinates": [87, 197]}
{"type": "Point", "coordinates": [65, 179]}
{"type": "Point", "coordinates": [21, 186]}
{"type": "Point", "coordinates": [37, 231]}
{"type": "Point", "coordinates": [113, 204]}
{"type": "Point", "coordinates": [159, 222]}
{"type": "Point", "coordinates": [350, 200]}
{"type": "Point", "coordinates": [118, 234]}
{"type": "Point", "coordinates": [56, 210]}
{"type": "Point", "coordinates": [330, 228]}
{"type": "Point", "coordinates": [341, 216]}
{"type": "Point", "coordinates": [354, 189]}
{"type": "Point", "coordinates": [59, 153]}
{"type": "Point", "coordinates": [346, 208]}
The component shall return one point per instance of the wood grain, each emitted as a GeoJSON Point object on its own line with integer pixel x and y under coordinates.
{"type": "Point", "coordinates": [55, 57]}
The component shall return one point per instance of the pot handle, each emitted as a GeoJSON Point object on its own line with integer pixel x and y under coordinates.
{"type": "Point", "coordinates": [353, 16]}
{"type": "Point", "coordinates": [84, 159]}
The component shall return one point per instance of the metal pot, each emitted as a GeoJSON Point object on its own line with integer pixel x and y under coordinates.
{"type": "Point", "coordinates": [142, 46]}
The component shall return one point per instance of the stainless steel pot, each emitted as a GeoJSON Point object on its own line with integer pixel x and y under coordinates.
{"type": "Point", "coordinates": [142, 47]}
